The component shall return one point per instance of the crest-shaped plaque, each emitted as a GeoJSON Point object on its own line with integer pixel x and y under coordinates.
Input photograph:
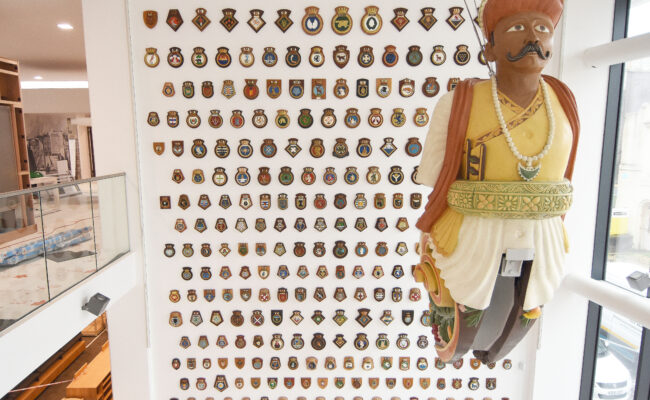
{"type": "Point", "coordinates": [220, 383]}
{"type": "Point", "coordinates": [286, 176]}
{"type": "Point", "coordinates": [260, 249]}
{"type": "Point", "coordinates": [490, 383]}
{"type": "Point", "coordinates": [223, 60]}
{"type": "Point", "coordinates": [330, 176]}
{"type": "Point", "coordinates": [318, 343]}
{"type": "Point", "coordinates": [172, 119]}
{"type": "Point", "coordinates": [201, 20]}
{"type": "Point", "coordinates": [150, 18]}
{"type": "Point", "coordinates": [151, 57]}
{"type": "Point", "coordinates": [175, 58]}
{"type": "Point", "coordinates": [399, 21]}
{"type": "Point", "coordinates": [341, 21]}
{"type": "Point", "coordinates": [168, 89]}
{"type": "Point", "coordinates": [219, 177]}
{"type": "Point", "coordinates": [153, 119]}
{"type": "Point", "coordinates": [229, 21]}
{"type": "Point", "coordinates": [413, 147]}
{"type": "Point", "coordinates": [206, 251]}
{"type": "Point", "coordinates": [283, 21]}
{"type": "Point", "coordinates": [177, 176]}
{"type": "Point", "coordinates": [407, 383]}
{"type": "Point", "coordinates": [427, 20]}
{"type": "Point", "coordinates": [440, 383]}
{"type": "Point", "coordinates": [246, 57]}
{"type": "Point", "coordinates": [245, 150]}
{"type": "Point", "coordinates": [322, 383]}
{"type": "Point", "coordinates": [390, 56]}
{"type": "Point", "coordinates": [293, 57]}
{"type": "Point", "coordinates": [199, 59]}
{"type": "Point", "coordinates": [396, 176]}
{"type": "Point", "coordinates": [403, 341]}
{"type": "Point", "coordinates": [265, 201]}
{"type": "Point", "coordinates": [397, 119]}
{"type": "Point", "coordinates": [430, 87]}
{"type": "Point", "coordinates": [406, 87]}
{"type": "Point", "coordinates": [279, 249]}
{"type": "Point", "coordinates": [462, 56]}
{"type": "Point", "coordinates": [256, 22]}
{"type": "Point", "coordinates": [341, 56]}
{"type": "Point", "coordinates": [273, 90]}
{"type": "Point", "coordinates": [414, 56]}
{"type": "Point", "coordinates": [375, 119]}
{"type": "Point", "coordinates": [184, 384]}
{"type": "Point", "coordinates": [352, 118]}
{"type": "Point", "coordinates": [175, 319]}
{"type": "Point", "coordinates": [174, 19]}
{"type": "Point", "coordinates": [312, 22]}
{"type": "Point", "coordinates": [282, 119]}
{"type": "Point", "coordinates": [158, 147]}
{"type": "Point", "coordinates": [371, 21]}
{"type": "Point", "coordinates": [456, 383]}
{"type": "Point", "coordinates": [318, 91]}
{"type": "Point", "coordinates": [452, 83]}
{"type": "Point", "coordinates": [215, 121]}
{"type": "Point", "coordinates": [364, 149]}
{"type": "Point", "coordinates": [251, 91]}
{"type": "Point", "coordinates": [316, 56]}
{"type": "Point", "coordinates": [305, 119]}
{"type": "Point", "coordinates": [340, 91]}
{"type": "Point", "coordinates": [300, 294]}
{"type": "Point", "coordinates": [373, 176]}
{"type": "Point", "coordinates": [207, 90]}
{"type": "Point", "coordinates": [264, 177]}
{"type": "Point", "coordinates": [308, 177]}
{"type": "Point", "coordinates": [373, 383]}
{"type": "Point", "coordinates": [193, 120]}
{"type": "Point", "coordinates": [438, 56]}
{"type": "Point", "coordinates": [300, 201]}
{"type": "Point", "coordinates": [317, 150]}
{"type": "Point", "coordinates": [305, 382]}
{"type": "Point", "coordinates": [420, 118]}
{"type": "Point", "coordinates": [237, 119]}
{"type": "Point", "coordinates": [455, 19]}
{"type": "Point", "coordinates": [384, 86]}
{"type": "Point", "coordinates": [340, 201]}
{"type": "Point", "coordinates": [269, 58]}
{"type": "Point", "coordinates": [351, 175]}
{"type": "Point", "coordinates": [365, 58]}
{"type": "Point", "coordinates": [328, 119]}
{"type": "Point", "coordinates": [296, 88]}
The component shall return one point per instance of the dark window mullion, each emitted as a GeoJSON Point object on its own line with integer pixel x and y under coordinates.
{"type": "Point", "coordinates": [605, 192]}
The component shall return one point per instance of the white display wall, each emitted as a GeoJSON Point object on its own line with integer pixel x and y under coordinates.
{"type": "Point", "coordinates": [164, 273]}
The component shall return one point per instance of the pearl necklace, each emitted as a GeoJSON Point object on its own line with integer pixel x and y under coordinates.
{"type": "Point", "coordinates": [527, 172]}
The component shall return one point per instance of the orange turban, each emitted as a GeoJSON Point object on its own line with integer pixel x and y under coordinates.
{"type": "Point", "coordinates": [492, 11]}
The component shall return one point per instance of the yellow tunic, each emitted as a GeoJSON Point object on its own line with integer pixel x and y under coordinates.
{"type": "Point", "coordinates": [468, 249]}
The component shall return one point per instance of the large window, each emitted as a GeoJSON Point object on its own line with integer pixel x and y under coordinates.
{"type": "Point", "coordinates": [617, 352]}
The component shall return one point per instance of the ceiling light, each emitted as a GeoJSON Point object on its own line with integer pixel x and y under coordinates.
{"type": "Point", "coordinates": [65, 26]}
{"type": "Point", "coordinates": [38, 77]}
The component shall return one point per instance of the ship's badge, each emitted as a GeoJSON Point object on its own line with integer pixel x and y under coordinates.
{"type": "Point", "coordinates": [341, 21]}
{"type": "Point", "coordinates": [390, 56]}
{"type": "Point", "coordinates": [371, 21]}
{"type": "Point", "coordinates": [283, 21]}
{"type": "Point", "coordinates": [199, 59]}
{"type": "Point", "coordinates": [151, 58]}
{"type": "Point", "coordinates": [341, 56]}
{"type": "Point", "coordinates": [222, 58]}
{"type": "Point", "coordinates": [312, 22]}
{"type": "Point", "coordinates": [150, 18]}
{"type": "Point", "coordinates": [455, 19]}
{"type": "Point", "coordinates": [400, 20]}
{"type": "Point", "coordinates": [200, 20]}
{"type": "Point", "coordinates": [256, 22]}
{"type": "Point", "coordinates": [229, 21]}
{"type": "Point", "coordinates": [428, 20]}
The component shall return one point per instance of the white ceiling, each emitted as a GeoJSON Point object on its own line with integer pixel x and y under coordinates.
{"type": "Point", "coordinates": [29, 34]}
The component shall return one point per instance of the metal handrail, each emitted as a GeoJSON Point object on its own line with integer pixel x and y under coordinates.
{"type": "Point", "coordinates": [59, 185]}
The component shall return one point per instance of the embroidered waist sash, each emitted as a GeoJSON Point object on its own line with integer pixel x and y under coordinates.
{"type": "Point", "coordinates": [510, 200]}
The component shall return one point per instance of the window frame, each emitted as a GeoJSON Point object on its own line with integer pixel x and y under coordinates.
{"type": "Point", "coordinates": [601, 235]}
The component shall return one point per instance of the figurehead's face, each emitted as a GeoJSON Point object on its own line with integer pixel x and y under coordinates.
{"type": "Point", "coordinates": [521, 43]}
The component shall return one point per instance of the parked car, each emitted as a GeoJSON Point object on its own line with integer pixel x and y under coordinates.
{"type": "Point", "coordinates": [612, 378]}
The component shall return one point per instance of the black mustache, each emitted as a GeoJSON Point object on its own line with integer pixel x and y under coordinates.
{"type": "Point", "coordinates": [530, 47]}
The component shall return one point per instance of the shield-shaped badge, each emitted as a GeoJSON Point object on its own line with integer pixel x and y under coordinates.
{"type": "Point", "coordinates": [407, 382]}
{"type": "Point", "coordinates": [366, 57]}
{"type": "Point", "coordinates": [373, 383]}
{"type": "Point", "coordinates": [384, 86]}
{"type": "Point", "coordinates": [322, 383]}
{"type": "Point", "coordinates": [427, 20]}
{"type": "Point", "coordinates": [229, 21]}
{"type": "Point", "coordinates": [305, 382]}
{"type": "Point", "coordinates": [391, 382]}
{"type": "Point", "coordinates": [283, 22]}
{"type": "Point", "coordinates": [341, 56]}
{"type": "Point", "coordinates": [316, 57]}
{"type": "Point", "coordinates": [150, 18]}
{"type": "Point", "coordinates": [455, 19]}
{"type": "Point", "coordinates": [174, 19]}
{"type": "Point", "coordinates": [273, 88]}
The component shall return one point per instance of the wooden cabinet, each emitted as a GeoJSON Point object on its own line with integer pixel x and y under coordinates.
{"type": "Point", "coordinates": [17, 214]}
